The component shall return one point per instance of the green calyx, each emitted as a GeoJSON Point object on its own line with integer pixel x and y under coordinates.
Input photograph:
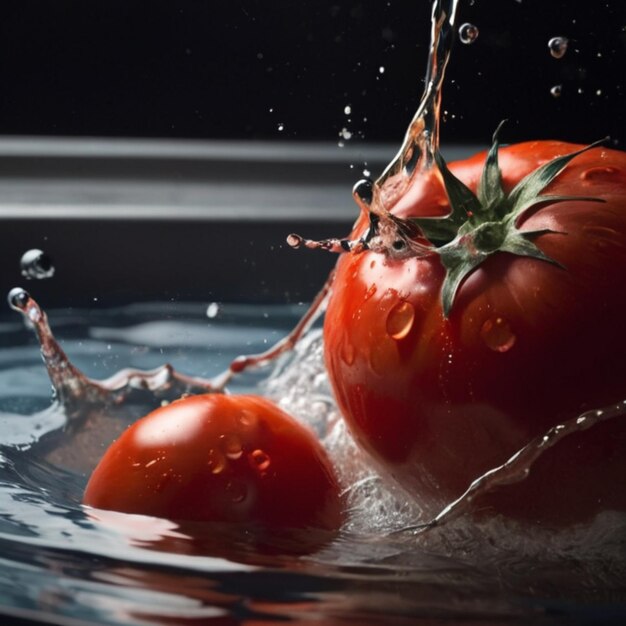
{"type": "Point", "coordinates": [482, 224]}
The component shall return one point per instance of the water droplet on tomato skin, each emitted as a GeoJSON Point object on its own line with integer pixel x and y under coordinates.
{"type": "Point", "coordinates": [347, 353]}
{"type": "Point", "coordinates": [558, 46]}
{"type": "Point", "coordinates": [236, 490]}
{"type": "Point", "coordinates": [382, 355]}
{"type": "Point", "coordinates": [599, 173]}
{"type": "Point", "coordinates": [400, 320]}
{"type": "Point", "coordinates": [370, 292]}
{"type": "Point", "coordinates": [260, 460]}
{"type": "Point", "coordinates": [232, 446]}
{"type": "Point", "coordinates": [216, 462]}
{"type": "Point", "coordinates": [497, 335]}
{"type": "Point", "coordinates": [247, 419]}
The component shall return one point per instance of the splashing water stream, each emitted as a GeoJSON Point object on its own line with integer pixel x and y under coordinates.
{"type": "Point", "coordinates": [299, 384]}
{"type": "Point", "coordinates": [75, 390]}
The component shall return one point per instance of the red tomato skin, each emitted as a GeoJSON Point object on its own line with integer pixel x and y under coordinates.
{"type": "Point", "coordinates": [527, 345]}
{"type": "Point", "coordinates": [219, 458]}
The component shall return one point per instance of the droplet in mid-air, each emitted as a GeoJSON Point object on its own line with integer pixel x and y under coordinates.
{"type": "Point", "coordinates": [556, 91]}
{"type": "Point", "coordinates": [212, 310]}
{"type": "Point", "coordinates": [18, 298]}
{"type": "Point", "coordinates": [36, 264]}
{"type": "Point", "coordinates": [363, 191]}
{"type": "Point", "coordinates": [558, 46]}
{"type": "Point", "coordinates": [468, 33]}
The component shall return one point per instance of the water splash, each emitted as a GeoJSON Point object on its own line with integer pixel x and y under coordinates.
{"type": "Point", "coordinates": [387, 233]}
{"type": "Point", "coordinates": [422, 137]}
{"type": "Point", "coordinates": [74, 390]}
{"type": "Point", "coordinates": [518, 466]}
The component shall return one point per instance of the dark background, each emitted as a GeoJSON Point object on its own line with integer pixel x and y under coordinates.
{"type": "Point", "coordinates": [241, 68]}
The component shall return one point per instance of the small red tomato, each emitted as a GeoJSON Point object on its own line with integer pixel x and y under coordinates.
{"type": "Point", "coordinates": [219, 458]}
{"type": "Point", "coordinates": [462, 339]}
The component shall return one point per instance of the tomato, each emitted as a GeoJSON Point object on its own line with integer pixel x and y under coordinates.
{"type": "Point", "coordinates": [219, 458]}
{"type": "Point", "coordinates": [443, 373]}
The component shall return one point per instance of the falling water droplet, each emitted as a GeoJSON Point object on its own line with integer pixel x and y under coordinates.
{"type": "Point", "coordinates": [212, 310]}
{"type": "Point", "coordinates": [556, 90]}
{"type": "Point", "coordinates": [468, 33]}
{"type": "Point", "coordinates": [36, 264]}
{"type": "Point", "coordinates": [558, 46]}
{"type": "Point", "coordinates": [293, 240]}
{"type": "Point", "coordinates": [260, 460]}
{"type": "Point", "coordinates": [497, 334]}
{"type": "Point", "coordinates": [400, 320]}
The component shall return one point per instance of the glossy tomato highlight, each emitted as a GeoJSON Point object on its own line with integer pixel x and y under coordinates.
{"type": "Point", "coordinates": [219, 458]}
{"type": "Point", "coordinates": [454, 345]}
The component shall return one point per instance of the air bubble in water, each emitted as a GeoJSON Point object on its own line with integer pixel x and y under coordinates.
{"type": "Point", "coordinates": [345, 134]}
{"type": "Point", "coordinates": [36, 264]}
{"type": "Point", "coordinates": [347, 109]}
{"type": "Point", "coordinates": [468, 33]}
{"type": "Point", "coordinates": [381, 69]}
{"type": "Point", "coordinates": [558, 46]}
{"type": "Point", "coordinates": [281, 127]}
{"type": "Point", "coordinates": [556, 90]}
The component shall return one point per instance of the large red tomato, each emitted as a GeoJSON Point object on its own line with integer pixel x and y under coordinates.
{"type": "Point", "coordinates": [452, 348]}
{"type": "Point", "coordinates": [219, 458]}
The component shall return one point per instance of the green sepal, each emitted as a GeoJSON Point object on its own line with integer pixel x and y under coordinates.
{"type": "Point", "coordinates": [518, 211]}
{"type": "Point", "coordinates": [526, 192]}
{"type": "Point", "coordinates": [490, 191]}
{"type": "Point", "coordinates": [459, 261]}
{"type": "Point", "coordinates": [464, 203]}
{"type": "Point", "coordinates": [520, 244]}
{"type": "Point", "coordinates": [481, 225]}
